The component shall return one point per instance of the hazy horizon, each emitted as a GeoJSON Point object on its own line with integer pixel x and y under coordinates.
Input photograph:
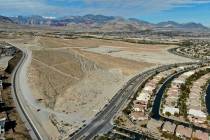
{"type": "Point", "coordinates": [50, 17]}
{"type": "Point", "coordinates": [154, 11]}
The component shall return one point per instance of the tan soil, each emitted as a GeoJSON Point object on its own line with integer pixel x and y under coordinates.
{"type": "Point", "coordinates": [73, 80]}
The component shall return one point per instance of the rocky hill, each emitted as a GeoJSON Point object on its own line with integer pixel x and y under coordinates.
{"type": "Point", "coordinates": [4, 19]}
{"type": "Point", "coordinates": [103, 23]}
{"type": "Point", "coordinates": [172, 24]}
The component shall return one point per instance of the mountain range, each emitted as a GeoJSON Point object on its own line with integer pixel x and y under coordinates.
{"type": "Point", "coordinates": [4, 19]}
{"type": "Point", "coordinates": [99, 23]}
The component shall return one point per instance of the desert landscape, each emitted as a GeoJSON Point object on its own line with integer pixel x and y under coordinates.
{"type": "Point", "coordinates": [75, 78]}
{"type": "Point", "coordinates": [104, 69]}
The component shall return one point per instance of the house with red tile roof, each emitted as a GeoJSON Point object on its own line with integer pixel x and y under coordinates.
{"type": "Point", "coordinates": [183, 132]}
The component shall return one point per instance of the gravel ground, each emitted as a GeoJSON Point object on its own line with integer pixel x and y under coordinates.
{"type": "Point", "coordinates": [100, 69]}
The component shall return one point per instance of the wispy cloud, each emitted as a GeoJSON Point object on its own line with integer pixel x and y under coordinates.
{"type": "Point", "coordinates": [144, 6]}
{"type": "Point", "coordinates": [107, 7]}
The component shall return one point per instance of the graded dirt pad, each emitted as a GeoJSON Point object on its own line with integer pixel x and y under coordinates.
{"type": "Point", "coordinates": [149, 53]}
{"type": "Point", "coordinates": [91, 42]}
{"type": "Point", "coordinates": [77, 86]}
{"type": "Point", "coordinates": [77, 77]}
{"type": "Point", "coordinates": [143, 54]}
{"type": "Point", "coordinates": [50, 83]}
{"type": "Point", "coordinates": [124, 66]}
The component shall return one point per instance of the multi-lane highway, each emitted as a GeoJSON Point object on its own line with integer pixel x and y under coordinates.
{"type": "Point", "coordinates": [102, 120]}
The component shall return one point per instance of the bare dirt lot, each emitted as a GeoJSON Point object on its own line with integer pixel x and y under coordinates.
{"type": "Point", "coordinates": [77, 77]}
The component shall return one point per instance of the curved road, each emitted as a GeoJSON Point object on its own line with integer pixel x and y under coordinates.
{"type": "Point", "coordinates": [102, 121]}
{"type": "Point", "coordinates": [35, 130]}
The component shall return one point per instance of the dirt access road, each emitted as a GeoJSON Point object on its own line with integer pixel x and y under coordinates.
{"type": "Point", "coordinates": [72, 79]}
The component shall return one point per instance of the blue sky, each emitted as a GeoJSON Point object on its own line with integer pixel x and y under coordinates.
{"type": "Point", "coordinates": [150, 10]}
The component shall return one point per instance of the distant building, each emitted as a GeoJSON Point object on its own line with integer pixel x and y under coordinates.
{"type": "Point", "coordinates": [7, 50]}
{"type": "Point", "coordinates": [138, 116]}
{"type": "Point", "coordinates": [169, 127]}
{"type": "Point", "coordinates": [183, 132]}
{"type": "Point", "coordinates": [196, 116]}
{"type": "Point", "coordinates": [177, 83]}
{"type": "Point", "coordinates": [10, 51]}
{"type": "Point", "coordinates": [200, 135]}
{"type": "Point", "coordinates": [148, 89]}
{"type": "Point", "coordinates": [154, 125]}
{"type": "Point", "coordinates": [138, 106]}
{"type": "Point", "coordinates": [143, 97]}
{"type": "Point", "coordinates": [197, 113]}
{"type": "Point", "coordinates": [171, 110]}
{"type": "Point", "coordinates": [180, 68]}
{"type": "Point", "coordinates": [189, 73]}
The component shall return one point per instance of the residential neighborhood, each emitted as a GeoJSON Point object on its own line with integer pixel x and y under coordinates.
{"type": "Point", "coordinates": [197, 112]}
{"type": "Point", "coordinates": [144, 100]}
{"type": "Point", "coordinates": [182, 117]}
{"type": "Point", "coordinates": [198, 49]}
{"type": "Point", "coordinates": [104, 69]}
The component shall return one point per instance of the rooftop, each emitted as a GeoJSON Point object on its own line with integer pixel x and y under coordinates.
{"type": "Point", "coordinates": [188, 74]}
{"type": "Point", "coordinates": [172, 110]}
{"type": "Point", "coordinates": [178, 81]}
{"type": "Point", "coordinates": [169, 127]}
{"type": "Point", "coordinates": [197, 113]}
{"type": "Point", "coordinates": [143, 97]}
{"type": "Point", "coordinates": [183, 131]}
{"type": "Point", "coordinates": [200, 135]}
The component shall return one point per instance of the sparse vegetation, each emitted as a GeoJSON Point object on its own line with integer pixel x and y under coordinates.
{"type": "Point", "coordinates": [208, 117]}
{"type": "Point", "coordinates": [185, 90]}
{"type": "Point", "coordinates": [119, 121]}
{"type": "Point", "coordinates": [168, 114]}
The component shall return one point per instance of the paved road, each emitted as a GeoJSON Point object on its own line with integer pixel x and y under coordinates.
{"type": "Point", "coordinates": [101, 122]}
{"type": "Point", "coordinates": [22, 93]}
{"type": "Point", "coordinates": [35, 130]}
{"type": "Point", "coordinates": [103, 118]}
